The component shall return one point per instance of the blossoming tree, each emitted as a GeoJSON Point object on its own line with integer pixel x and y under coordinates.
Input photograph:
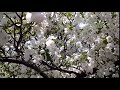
{"type": "Point", "coordinates": [59, 44]}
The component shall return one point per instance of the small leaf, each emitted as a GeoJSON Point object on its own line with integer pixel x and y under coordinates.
{"type": "Point", "coordinates": [83, 56]}
{"type": "Point", "coordinates": [70, 27]}
{"type": "Point", "coordinates": [68, 14]}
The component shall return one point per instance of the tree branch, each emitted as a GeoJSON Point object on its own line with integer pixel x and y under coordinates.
{"type": "Point", "coordinates": [21, 35]}
{"type": "Point", "coordinates": [78, 75]}
{"type": "Point", "coordinates": [10, 60]}
{"type": "Point", "coordinates": [55, 67]}
{"type": "Point", "coordinates": [10, 20]}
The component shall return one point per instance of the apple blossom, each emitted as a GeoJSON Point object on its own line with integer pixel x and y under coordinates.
{"type": "Point", "coordinates": [76, 41]}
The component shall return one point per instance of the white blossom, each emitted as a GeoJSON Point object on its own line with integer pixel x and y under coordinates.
{"type": "Point", "coordinates": [50, 43]}
{"type": "Point", "coordinates": [109, 39]}
{"type": "Point", "coordinates": [77, 57]}
{"type": "Point", "coordinates": [28, 17]}
{"type": "Point", "coordinates": [92, 41]}
{"type": "Point", "coordinates": [3, 37]}
{"type": "Point", "coordinates": [116, 75]}
{"type": "Point", "coordinates": [3, 21]}
{"type": "Point", "coordinates": [27, 54]}
{"type": "Point", "coordinates": [42, 51]}
{"type": "Point", "coordinates": [37, 17]}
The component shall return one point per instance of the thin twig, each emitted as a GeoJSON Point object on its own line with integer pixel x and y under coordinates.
{"type": "Point", "coordinates": [10, 19]}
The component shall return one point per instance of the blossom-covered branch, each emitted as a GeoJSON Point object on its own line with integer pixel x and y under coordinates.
{"type": "Point", "coordinates": [32, 66]}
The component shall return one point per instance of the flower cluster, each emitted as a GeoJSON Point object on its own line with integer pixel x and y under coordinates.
{"type": "Point", "coordinates": [3, 37]}
{"type": "Point", "coordinates": [76, 41]}
{"type": "Point", "coordinates": [92, 42]}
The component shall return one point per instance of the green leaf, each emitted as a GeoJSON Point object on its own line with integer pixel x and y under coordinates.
{"type": "Point", "coordinates": [68, 14]}
{"type": "Point", "coordinates": [62, 43]}
{"type": "Point", "coordinates": [16, 31]}
{"type": "Point", "coordinates": [70, 27]}
{"type": "Point", "coordinates": [67, 63]}
{"type": "Point", "coordinates": [27, 35]}
{"type": "Point", "coordinates": [113, 14]}
{"type": "Point", "coordinates": [83, 56]}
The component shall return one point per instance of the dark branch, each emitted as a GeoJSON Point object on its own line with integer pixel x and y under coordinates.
{"type": "Point", "coordinates": [21, 35]}
{"type": "Point", "coordinates": [80, 75]}
{"type": "Point", "coordinates": [24, 63]}
{"type": "Point", "coordinates": [10, 20]}
{"type": "Point", "coordinates": [55, 67]}
{"type": "Point", "coordinates": [17, 14]}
